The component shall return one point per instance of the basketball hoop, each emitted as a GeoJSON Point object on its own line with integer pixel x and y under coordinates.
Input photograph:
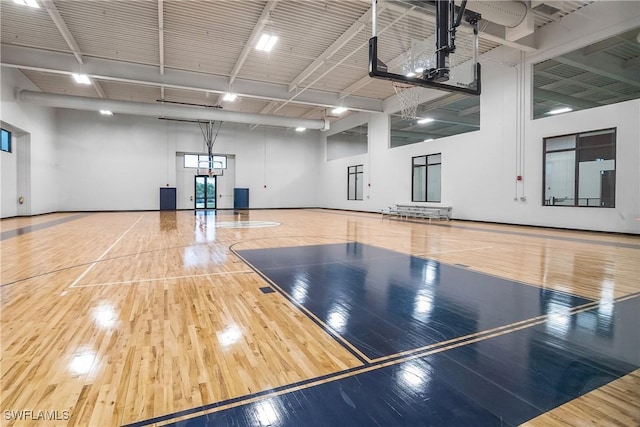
{"type": "Point", "coordinates": [409, 97]}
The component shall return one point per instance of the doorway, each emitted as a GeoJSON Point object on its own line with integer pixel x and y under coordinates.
{"type": "Point", "coordinates": [205, 191]}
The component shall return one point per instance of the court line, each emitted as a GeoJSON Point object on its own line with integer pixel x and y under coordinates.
{"type": "Point", "coordinates": [41, 226]}
{"type": "Point", "coordinates": [312, 382]}
{"type": "Point", "coordinates": [103, 254]}
{"type": "Point", "coordinates": [351, 347]}
{"type": "Point", "coordinates": [452, 250]}
{"type": "Point", "coordinates": [479, 334]}
{"type": "Point", "coordinates": [125, 282]}
{"type": "Point", "coordinates": [335, 335]}
{"type": "Point", "coordinates": [513, 233]}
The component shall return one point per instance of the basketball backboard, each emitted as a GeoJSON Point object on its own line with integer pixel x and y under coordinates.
{"type": "Point", "coordinates": [431, 44]}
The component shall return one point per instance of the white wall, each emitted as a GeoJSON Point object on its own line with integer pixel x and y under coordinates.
{"type": "Point", "coordinates": [479, 168]}
{"type": "Point", "coordinates": [32, 168]}
{"type": "Point", "coordinates": [9, 176]}
{"type": "Point", "coordinates": [120, 162]}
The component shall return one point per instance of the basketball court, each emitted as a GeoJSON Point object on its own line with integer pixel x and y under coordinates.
{"type": "Point", "coordinates": [176, 318]}
{"type": "Point", "coordinates": [288, 213]}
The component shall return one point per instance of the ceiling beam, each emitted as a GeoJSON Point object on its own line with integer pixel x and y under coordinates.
{"type": "Point", "coordinates": [250, 44]}
{"type": "Point", "coordinates": [602, 45]}
{"type": "Point", "coordinates": [467, 111]}
{"type": "Point", "coordinates": [126, 72]}
{"type": "Point", "coordinates": [253, 39]}
{"type": "Point", "coordinates": [53, 12]}
{"type": "Point", "coordinates": [355, 28]}
{"type": "Point", "coordinates": [64, 30]}
{"type": "Point", "coordinates": [266, 110]}
{"type": "Point", "coordinates": [161, 34]}
{"type": "Point", "coordinates": [163, 110]}
{"type": "Point", "coordinates": [631, 63]}
{"type": "Point", "coordinates": [338, 63]}
{"type": "Point", "coordinates": [269, 107]}
{"type": "Point", "coordinates": [601, 64]}
{"type": "Point", "coordinates": [575, 81]}
{"type": "Point", "coordinates": [312, 112]}
{"type": "Point", "coordinates": [549, 95]}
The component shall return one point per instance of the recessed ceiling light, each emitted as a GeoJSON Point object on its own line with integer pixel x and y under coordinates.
{"type": "Point", "coordinates": [30, 3]}
{"type": "Point", "coordinates": [427, 140]}
{"type": "Point", "coordinates": [82, 79]}
{"type": "Point", "coordinates": [338, 110]}
{"type": "Point", "coordinates": [300, 129]}
{"type": "Point", "coordinates": [560, 110]}
{"type": "Point", "coordinates": [423, 121]}
{"type": "Point", "coordinates": [229, 97]}
{"type": "Point", "coordinates": [106, 113]}
{"type": "Point", "coordinates": [266, 42]}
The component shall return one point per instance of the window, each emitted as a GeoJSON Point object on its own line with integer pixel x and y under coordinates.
{"type": "Point", "coordinates": [451, 115]}
{"type": "Point", "coordinates": [6, 140]}
{"type": "Point", "coordinates": [426, 178]}
{"type": "Point", "coordinates": [588, 77]}
{"type": "Point", "coordinates": [350, 142]}
{"type": "Point", "coordinates": [355, 186]}
{"type": "Point", "coordinates": [202, 161]}
{"type": "Point", "coordinates": [580, 169]}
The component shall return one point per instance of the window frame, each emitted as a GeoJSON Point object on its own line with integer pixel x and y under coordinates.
{"type": "Point", "coordinates": [355, 174]}
{"type": "Point", "coordinates": [9, 138]}
{"type": "Point", "coordinates": [426, 177]}
{"type": "Point", "coordinates": [576, 177]}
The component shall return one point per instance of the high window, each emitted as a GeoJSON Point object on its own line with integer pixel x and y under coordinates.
{"type": "Point", "coordinates": [202, 160]}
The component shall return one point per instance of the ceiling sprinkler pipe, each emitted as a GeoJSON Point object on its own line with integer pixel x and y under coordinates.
{"type": "Point", "coordinates": [165, 110]}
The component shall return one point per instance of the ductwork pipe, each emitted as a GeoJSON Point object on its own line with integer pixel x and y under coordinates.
{"type": "Point", "coordinates": [507, 13]}
{"type": "Point", "coordinates": [164, 110]}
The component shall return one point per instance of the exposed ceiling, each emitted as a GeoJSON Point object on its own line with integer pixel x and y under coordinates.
{"type": "Point", "coordinates": [195, 51]}
{"type": "Point", "coordinates": [602, 73]}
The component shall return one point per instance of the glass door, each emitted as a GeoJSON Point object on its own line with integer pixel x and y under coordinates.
{"type": "Point", "coordinates": [210, 192]}
{"type": "Point", "coordinates": [205, 192]}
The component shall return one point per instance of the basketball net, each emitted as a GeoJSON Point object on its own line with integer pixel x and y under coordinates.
{"type": "Point", "coordinates": [409, 97]}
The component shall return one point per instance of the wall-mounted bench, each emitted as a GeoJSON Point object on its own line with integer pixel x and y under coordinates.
{"type": "Point", "coordinates": [418, 211]}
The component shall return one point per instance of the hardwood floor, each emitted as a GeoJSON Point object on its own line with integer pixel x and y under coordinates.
{"type": "Point", "coordinates": [118, 318]}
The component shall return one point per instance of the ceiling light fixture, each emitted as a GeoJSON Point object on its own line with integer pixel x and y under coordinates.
{"type": "Point", "coordinates": [428, 140]}
{"type": "Point", "coordinates": [266, 42]}
{"type": "Point", "coordinates": [300, 129]}
{"type": "Point", "coordinates": [106, 113]}
{"type": "Point", "coordinates": [229, 97]}
{"type": "Point", "coordinates": [82, 79]}
{"type": "Point", "coordinates": [560, 110]}
{"type": "Point", "coordinates": [338, 110]}
{"type": "Point", "coordinates": [30, 3]}
{"type": "Point", "coordinates": [423, 121]}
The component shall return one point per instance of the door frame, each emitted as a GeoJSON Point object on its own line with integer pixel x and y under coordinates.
{"type": "Point", "coordinates": [195, 191]}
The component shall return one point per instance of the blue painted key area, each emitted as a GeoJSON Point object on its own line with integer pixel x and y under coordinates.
{"type": "Point", "coordinates": [385, 302]}
{"type": "Point", "coordinates": [500, 381]}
